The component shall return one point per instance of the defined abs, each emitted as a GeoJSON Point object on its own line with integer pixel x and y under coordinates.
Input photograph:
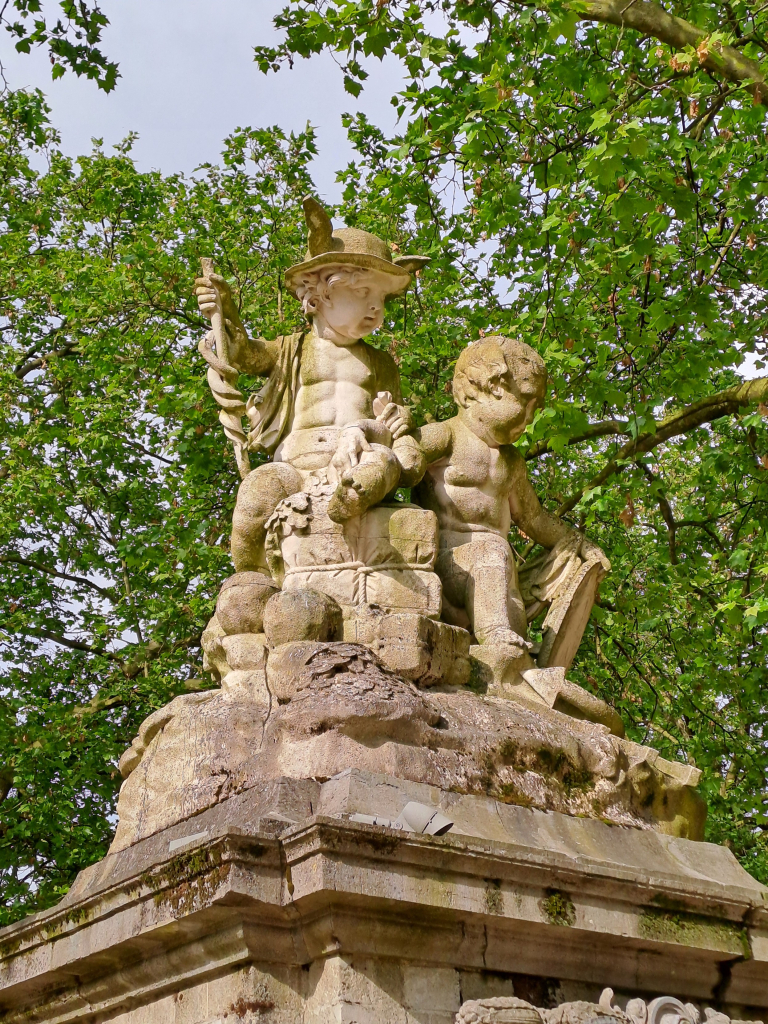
{"type": "Point", "coordinates": [309, 449]}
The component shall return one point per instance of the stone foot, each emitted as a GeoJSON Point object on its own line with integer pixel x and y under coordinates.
{"type": "Point", "coordinates": [497, 668]}
{"type": "Point", "coordinates": [501, 636]}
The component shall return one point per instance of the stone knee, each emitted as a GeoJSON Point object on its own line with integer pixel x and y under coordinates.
{"type": "Point", "coordinates": [257, 498]}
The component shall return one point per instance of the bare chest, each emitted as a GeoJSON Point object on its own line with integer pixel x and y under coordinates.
{"type": "Point", "coordinates": [474, 464]}
{"type": "Point", "coordinates": [322, 362]}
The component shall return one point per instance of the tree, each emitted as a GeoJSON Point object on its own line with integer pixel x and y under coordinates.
{"type": "Point", "coordinates": [599, 171]}
{"type": "Point", "coordinates": [586, 196]}
{"type": "Point", "coordinates": [117, 485]}
{"type": "Point", "coordinates": [71, 35]}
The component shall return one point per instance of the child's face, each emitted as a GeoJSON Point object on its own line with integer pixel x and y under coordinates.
{"type": "Point", "coordinates": [353, 311]}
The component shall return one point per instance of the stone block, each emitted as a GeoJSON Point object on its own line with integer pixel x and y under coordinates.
{"type": "Point", "coordinates": [403, 533]}
{"type": "Point", "coordinates": [242, 600]}
{"type": "Point", "coordinates": [245, 650]}
{"type": "Point", "coordinates": [298, 615]}
{"type": "Point", "coordinates": [386, 557]}
{"type": "Point", "coordinates": [412, 645]}
{"type": "Point", "coordinates": [246, 653]}
{"type": "Point", "coordinates": [246, 684]}
{"type": "Point", "coordinates": [430, 990]}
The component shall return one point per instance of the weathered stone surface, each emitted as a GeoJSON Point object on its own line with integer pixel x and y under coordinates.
{"type": "Point", "coordinates": [551, 686]}
{"type": "Point", "coordinates": [245, 650]}
{"type": "Point", "coordinates": [214, 656]}
{"type": "Point", "coordinates": [331, 920]}
{"type": "Point", "coordinates": [184, 759]}
{"type": "Point", "coordinates": [412, 645]}
{"type": "Point", "coordinates": [242, 600]}
{"type": "Point", "coordinates": [329, 706]}
{"type": "Point", "coordinates": [297, 615]}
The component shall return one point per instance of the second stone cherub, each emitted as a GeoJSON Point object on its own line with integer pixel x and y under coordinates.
{"type": "Point", "coordinates": [477, 485]}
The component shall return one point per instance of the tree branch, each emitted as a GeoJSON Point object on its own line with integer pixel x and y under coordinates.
{"type": "Point", "coordinates": [73, 645]}
{"type": "Point", "coordinates": [713, 407]}
{"type": "Point", "coordinates": [601, 429]}
{"type": "Point", "coordinates": [724, 251]}
{"type": "Point", "coordinates": [652, 20]}
{"type": "Point", "coordinates": [69, 348]}
{"type": "Point", "coordinates": [18, 560]}
{"type": "Point", "coordinates": [666, 513]}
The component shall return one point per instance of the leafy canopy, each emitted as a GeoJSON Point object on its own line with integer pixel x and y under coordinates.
{"type": "Point", "coordinates": [71, 34]}
{"type": "Point", "coordinates": [596, 193]}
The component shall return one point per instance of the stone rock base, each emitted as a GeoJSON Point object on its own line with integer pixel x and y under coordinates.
{"type": "Point", "coordinates": [310, 709]}
{"type": "Point", "coordinates": [276, 906]}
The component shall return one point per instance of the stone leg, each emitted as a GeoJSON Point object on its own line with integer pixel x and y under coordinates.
{"type": "Point", "coordinates": [376, 475]}
{"type": "Point", "coordinates": [258, 497]}
{"type": "Point", "coordinates": [480, 577]}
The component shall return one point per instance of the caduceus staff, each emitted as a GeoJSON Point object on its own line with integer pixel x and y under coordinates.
{"type": "Point", "coordinates": [222, 378]}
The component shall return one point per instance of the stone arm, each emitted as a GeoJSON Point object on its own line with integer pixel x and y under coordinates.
{"type": "Point", "coordinates": [541, 526]}
{"type": "Point", "coordinates": [435, 441]}
{"type": "Point", "coordinates": [416, 450]}
{"type": "Point", "coordinates": [256, 356]}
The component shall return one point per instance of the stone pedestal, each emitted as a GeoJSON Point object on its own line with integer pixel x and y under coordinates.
{"type": "Point", "coordinates": [276, 906]}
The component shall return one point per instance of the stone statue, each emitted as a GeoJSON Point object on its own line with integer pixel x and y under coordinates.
{"type": "Point", "coordinates": [316, 517]}
{"type": "Point", "coordinates": [390, 637]}
{"type": "Point", "coordinates": [477, 485]}
{"type": "Point", "coordinates": [316, 410]}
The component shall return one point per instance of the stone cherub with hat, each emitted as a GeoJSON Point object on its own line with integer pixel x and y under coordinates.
{"type": "Point", "coordinates": [345, 605]}
{"type": "Point", "coordinates": [315, 518]}
{"type": "Point", "coordinates": [317, 409]}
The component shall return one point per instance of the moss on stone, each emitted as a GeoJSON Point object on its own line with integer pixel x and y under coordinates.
{"type": "Point", "coordinates": [509, 794]}
{"type": "Point", "coordinates": [558, 908]}
{"type": "Point", "coordinates": [187, 879]}
{"type": "Point", "coordinates": [494, 899]}
{"type": "Point", "coordinates": [478, 677]}
{"type": "Point", "coordinates": [670, 924]}
{"type": "Point", "coordinates": [9, 948]}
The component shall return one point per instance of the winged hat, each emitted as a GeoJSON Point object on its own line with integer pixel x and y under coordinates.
{"type": "Point", "coordinates": [350, 247]}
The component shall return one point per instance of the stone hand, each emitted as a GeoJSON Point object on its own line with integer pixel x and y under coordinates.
{"type": "Point", "coordinates": [397, 419]}
{"type": "Point", "coordinates": [213, 294]}
{"type": "Point", "coordinates": [351, 445]}
{"type": "Point", "coordinates": [591, 552]}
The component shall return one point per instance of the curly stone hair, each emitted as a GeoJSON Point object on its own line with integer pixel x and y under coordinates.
{"type": "Point", "coordinates": [484, 364]}
{"type": "Point", "coordinates": [316, 285]}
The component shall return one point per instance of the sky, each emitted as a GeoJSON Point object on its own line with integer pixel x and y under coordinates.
{"type": "Point", "coordinates": [189, 79]}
